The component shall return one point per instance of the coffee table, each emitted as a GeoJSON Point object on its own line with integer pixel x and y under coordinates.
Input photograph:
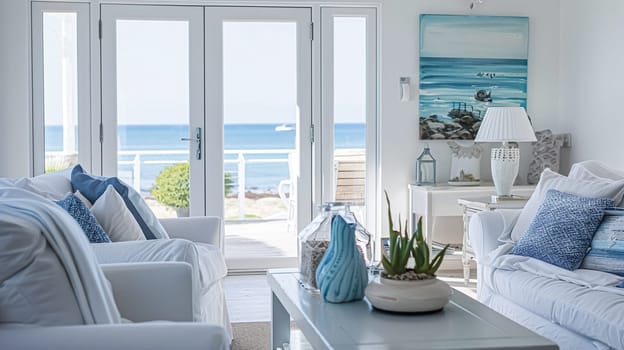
{"type": "Point", "coordinates": [463, 324]}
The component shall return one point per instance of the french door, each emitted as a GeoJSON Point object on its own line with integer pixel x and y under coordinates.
{"type": "Point", "coordinates": [224, 92]}
{"type": "Point", "coordinates": [152, 67]}
{"type": "Point", "coordinates": [259, 93]}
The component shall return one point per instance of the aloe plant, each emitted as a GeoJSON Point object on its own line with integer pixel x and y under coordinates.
{"type": "Point", "coordinates": [420, 252]}
{"type": "Point", "coordinates": [395, 262]}
{"type": "Point", "coordinates": [403, 246]}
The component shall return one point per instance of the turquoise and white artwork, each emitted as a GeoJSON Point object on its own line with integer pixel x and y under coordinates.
{"type": "Point", "coordinates": [467, 64]}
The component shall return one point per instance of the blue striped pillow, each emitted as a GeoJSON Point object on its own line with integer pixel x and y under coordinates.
{"type": "Point", "coordinates": [607, 247]}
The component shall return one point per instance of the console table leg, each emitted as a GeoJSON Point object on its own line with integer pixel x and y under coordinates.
{"type": "Point", "coordinates": [465, 257]}
{"type": "Point", "coordinates": [280, 323]}
{"type": "Point", "coordinates": [466, 264]}
{"type": "Point", "coordinates": [428, 232]}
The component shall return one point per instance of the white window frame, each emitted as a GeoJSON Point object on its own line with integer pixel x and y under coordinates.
{"type": "Point", "coordinates": [326, 146]}
{"type": "Point", "coordinates": [83, 79]}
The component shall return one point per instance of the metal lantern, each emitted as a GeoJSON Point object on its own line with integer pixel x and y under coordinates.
{"type": "Point", "coordinates": [425, 168]}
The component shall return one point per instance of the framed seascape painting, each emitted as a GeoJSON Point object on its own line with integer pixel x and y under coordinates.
{"type": "Point", "coordinates": [467, 64]}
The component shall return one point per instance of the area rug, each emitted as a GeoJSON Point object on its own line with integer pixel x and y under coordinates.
{"type": "Point", "coordinates": [251, 336]}
{"type": "Point", "coordinates": [257, 336]}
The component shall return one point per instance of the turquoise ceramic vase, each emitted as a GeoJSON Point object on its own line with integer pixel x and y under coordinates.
{"type": "Point", "coordinates": [342, 275]}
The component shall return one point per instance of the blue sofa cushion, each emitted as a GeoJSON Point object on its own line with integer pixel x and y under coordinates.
{"type": "Point", "coordinates": [607, 247]}
{"type": "Point", "coordinates": [92, 187]}
{"type": "Point", "coordinates": [79, 211]}
{"type": "Point", "coordinates": [562, 229]}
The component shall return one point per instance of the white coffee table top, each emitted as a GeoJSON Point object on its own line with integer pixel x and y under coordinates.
{"type": "Point", "coordinates": [463, 324]}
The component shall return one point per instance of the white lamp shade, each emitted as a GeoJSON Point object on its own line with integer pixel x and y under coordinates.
{"type": "Point", "coordinates": [506, 124]}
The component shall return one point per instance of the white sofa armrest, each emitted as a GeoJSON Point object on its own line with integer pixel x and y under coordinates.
{"type": "Point", "coordinates": [139, 336]}
{"type": "Point", "coordinates": [203, 229]}
{"type": "Point", "coordinates": [152, 291]}
{"type": "Point", "coordinates": [486, 228]}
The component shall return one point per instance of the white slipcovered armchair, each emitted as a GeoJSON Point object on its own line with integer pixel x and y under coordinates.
{"type": "Point", "coordinates": [54, 294]}
{"type": "Point", "coordinates": [195, 245]}
{"type": "Point", "coordinates": [177, 279]}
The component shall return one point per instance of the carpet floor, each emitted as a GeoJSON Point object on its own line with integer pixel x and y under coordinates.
{"type": "Point", "coordinates": [257, 336]}
{"type": "Point", "coordinates": [251, 336]}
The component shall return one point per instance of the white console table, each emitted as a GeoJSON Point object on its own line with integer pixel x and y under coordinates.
{"type": "Point", "coordinates": [430, 202]}
{"type": "Point", "coordinates": [473, 205]}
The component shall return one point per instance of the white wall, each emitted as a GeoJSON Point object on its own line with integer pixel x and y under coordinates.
{"type": "Point", "coordinates": [399, 120]}
{"type": "Point", "coordinates": [14, 89]}
{"type": "Point", "coordinates": [592, 79]}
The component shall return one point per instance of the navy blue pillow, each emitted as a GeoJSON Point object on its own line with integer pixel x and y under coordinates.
{"type": "Point", "coordinates": [562, 229]}
{"type": "Point", "coordinates": [76, 208]}
{"type": "Point", "coordinates": [92, 187]}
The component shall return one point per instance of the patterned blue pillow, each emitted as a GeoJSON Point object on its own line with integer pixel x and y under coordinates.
{"type": "Point", "coordinates": [76, 208]}
{"type": "Point", "coordinates": [607, 246]}
{"type": "Point", "coordinates": [562, 229]}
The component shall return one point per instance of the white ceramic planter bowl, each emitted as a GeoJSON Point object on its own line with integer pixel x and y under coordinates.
{"type": "Point", "coordinates": [408, 296]}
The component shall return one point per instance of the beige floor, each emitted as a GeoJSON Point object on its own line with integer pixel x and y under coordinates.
{"type": "Point", "coordinates": [259, 239]}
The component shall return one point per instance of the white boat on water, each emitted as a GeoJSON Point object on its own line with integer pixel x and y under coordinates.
{"type": "Point", "coordinates": [284, 127]}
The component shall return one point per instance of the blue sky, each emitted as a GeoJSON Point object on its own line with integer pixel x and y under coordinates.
{"type": "Point", "coordinates": [259, 71]}
{"type": "Point", "coordinates": [474, 36]}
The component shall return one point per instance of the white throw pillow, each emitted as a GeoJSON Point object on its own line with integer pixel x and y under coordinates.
{"type": "Point", "coordinates": [53, 182]}
{"type": "Point", "coordinates": [83, 199]}
{"type": "Point", "coordinates": [112, 213]}
{"type": "Point", "coordinates": [53, 187]}
{"type": "Point", "coordinates": [613, 190]}
{"type": "Point", "coordinates": [593, 169]}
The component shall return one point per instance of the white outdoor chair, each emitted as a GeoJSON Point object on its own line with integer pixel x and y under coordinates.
{"type": "Point", "coordinates": [290, 200]}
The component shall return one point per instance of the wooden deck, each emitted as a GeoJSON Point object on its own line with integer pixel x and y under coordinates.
{"type": "Point", "coordinates": [350, 175]}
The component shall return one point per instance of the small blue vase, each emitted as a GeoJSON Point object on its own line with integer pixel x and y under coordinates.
{"type": "Point", "coordinates": [342, 275]}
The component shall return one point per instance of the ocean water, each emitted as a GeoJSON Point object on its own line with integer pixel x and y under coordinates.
{"type": "Point", "coordinates": [445, 82]}
{"type": "Point", "coordinates": [260, 177]}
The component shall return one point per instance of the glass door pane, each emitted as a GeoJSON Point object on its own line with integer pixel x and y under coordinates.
{"type": "Point", "coordinates": [60, 95]}
{"type": "Point", "coordinates": [159, 121]}
{"type": "Point", "coordinates": [350, 112]}
{"type": "Point", "coordinates": [349, 109]}
{"type": "Point", "coordinates": [60, 48]}
{"type": "Point", "coordinates": [264, 80]}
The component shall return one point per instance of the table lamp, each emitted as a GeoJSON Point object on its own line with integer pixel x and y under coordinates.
{"type": "Point", "coordinates": [506, 125]}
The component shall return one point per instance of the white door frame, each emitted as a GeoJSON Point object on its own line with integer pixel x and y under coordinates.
{"type": "Point", "coordinates": [194, 16]}
{"type": "Point", "coordinates": [214, 99]}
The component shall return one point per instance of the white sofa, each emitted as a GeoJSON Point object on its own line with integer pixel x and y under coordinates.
{"type": "Point", "coordinates": [570, 308]}
{"type": "Point", "coordinates": [182, 275]}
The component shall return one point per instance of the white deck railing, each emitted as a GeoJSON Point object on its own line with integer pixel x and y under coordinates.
{"type": "Point", "coordinates": [138, 161]}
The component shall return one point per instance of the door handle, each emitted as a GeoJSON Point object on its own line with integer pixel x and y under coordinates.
{"type": "Point", "coordinates": [197, 140]}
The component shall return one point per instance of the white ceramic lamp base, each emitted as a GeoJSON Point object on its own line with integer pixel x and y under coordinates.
{"type": "Point", "coordinates": [505, 164]}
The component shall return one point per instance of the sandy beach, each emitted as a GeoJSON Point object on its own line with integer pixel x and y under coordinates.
{"type": "Point", "coordinates": [266, 206]}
